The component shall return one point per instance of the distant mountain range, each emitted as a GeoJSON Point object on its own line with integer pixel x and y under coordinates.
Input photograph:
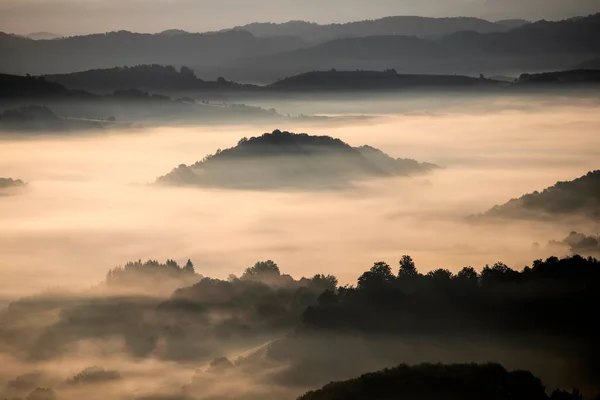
{"type": "Point", "coordinates": [266, 52]}
{"type": "Point", "coordinates": [125, 48]}
{"type": "Point", "coordinates": [539, 46]}
{"type": "Point", "coordinates": [396, 25]}
{"type": "Point", "coordinates": [287, 160]}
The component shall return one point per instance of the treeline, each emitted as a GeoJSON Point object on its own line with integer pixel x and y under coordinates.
{"type": "Point", "coordinates": [545, 307]}
{"type": "Point", "coordinates": [545, 298]}
{"type": "Point", "coordinates": [144, 76]}
{"type": "Point", "coordinates": [441, 382]}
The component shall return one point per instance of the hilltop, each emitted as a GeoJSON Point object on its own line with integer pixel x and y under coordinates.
{"type": "Point", "coordinates": [289, 160]}
{"type": "Point", "coordinates": [439, 382]}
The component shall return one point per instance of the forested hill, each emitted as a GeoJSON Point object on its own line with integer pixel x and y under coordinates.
{"type": "Point", "coordinates": [440, 382]}
{"type": "Point", "coordinates": [579, 197]}
{"type": "Point", "coordinates": [289, 160]}
{"type": "Point", "coordinates": [152, 77]}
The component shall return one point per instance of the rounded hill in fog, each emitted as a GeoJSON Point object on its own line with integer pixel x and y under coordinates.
{"type": "Point", "coordinates": [288, 160]}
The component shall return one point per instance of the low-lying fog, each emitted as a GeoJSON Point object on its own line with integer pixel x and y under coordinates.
{"type": "Point", "coordinates": [88, 207]}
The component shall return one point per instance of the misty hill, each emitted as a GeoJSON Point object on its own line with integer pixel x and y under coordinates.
{"type": "Point", "coordinates": [289, 160]}
{"type": "Point", "coordinates": [374, 80]}
{"type": "Point", "coordinates": [580, 197]}
{"type": "Point", "coordinates": [124, 105]}
{"type": "Point", "coordinates": [39, 118]}
{"type": "Point", "coordinates": [578, 243]}
{"type": "Point", "coordinates": [160, 276]}
{"type": "Point", "coordinates": [396, 25]}
{"type": "Point", "coordinates": [573, 77]}
{"type": "Point", "coordinates": [538, 46]}
{"type": "Point", "coordinates": [438, 382]}
{"type": "Point", "coordinates": [201, 320]}
{"type": "Point", "coordinates": [80, 53]}
{"type": "Point", "coordinates": [144, 77]}
{"type": "Point", "coordinates": [8, 183]}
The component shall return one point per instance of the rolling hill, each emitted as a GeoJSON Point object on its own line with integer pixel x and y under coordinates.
{"type": "Point", "coordinates": [394, 25]}
{"type": "Point", "coordinates": [580, 197]}
{"type": "Point", "coordinates": [287, 160]}
{"type": "Point", "coordinates": [375, 80]}
{"type": "Point", "coordinates": [436, 382]}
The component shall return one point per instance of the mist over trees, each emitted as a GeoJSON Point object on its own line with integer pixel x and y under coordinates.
{"type": "Point", "coordinates": [6, 183]}
{"type": "Point", "coordinates": [36, 103]}
{"type": "Point", "coordinates": [313, 327]}
{"type": "Point", "coordinates": [398, 314]}
{"type": "Point", "coordinates": [578, 243]}
{"type": "Point", "coordinates": [288, 160]}
{"type": "Point", "coordinates": [140, 302]}
{"type": "Point", "coordinates": [177, 329]}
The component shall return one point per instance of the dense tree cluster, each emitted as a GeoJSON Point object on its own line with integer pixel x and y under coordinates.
{"type": "Point", "coordinates": [152, 273]}
{"type": "Point", "coordinates": [543, 298]}
{"type": "Point", "coordinates": [441, 382]}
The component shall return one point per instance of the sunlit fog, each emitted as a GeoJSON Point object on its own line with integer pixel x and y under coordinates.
{"type": "Point", "coordinates": [91, 204]}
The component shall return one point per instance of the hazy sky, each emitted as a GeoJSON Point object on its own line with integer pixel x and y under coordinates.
{"type": "Point", "coordinates": [85, 16]}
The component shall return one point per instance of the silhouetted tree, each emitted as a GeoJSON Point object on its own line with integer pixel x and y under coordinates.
{"type": "Point", "coordinates": [189, 266]}
{"type": "Point", "coordinates": [407, 267]}
{"type": "Point", "coordinates": [262, 269]}
{"type": "Point", "coordinates": [378, 275]}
